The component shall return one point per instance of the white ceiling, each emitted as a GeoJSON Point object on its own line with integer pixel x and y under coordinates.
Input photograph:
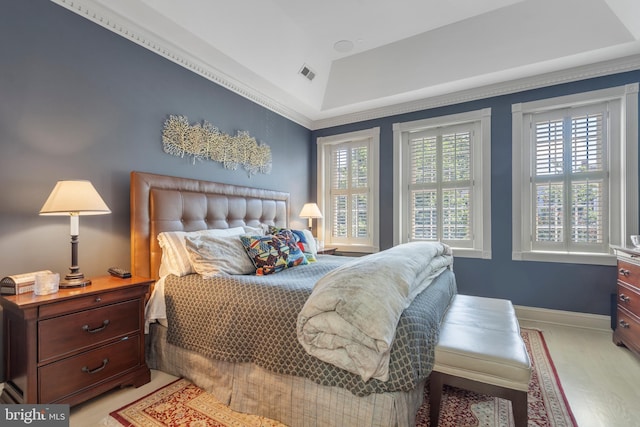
{"type": "Point", "coordinates": [407, 54]}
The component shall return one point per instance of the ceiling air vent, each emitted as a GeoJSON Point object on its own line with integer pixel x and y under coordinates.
{"type": "Point", "coordinates": [307, 72]}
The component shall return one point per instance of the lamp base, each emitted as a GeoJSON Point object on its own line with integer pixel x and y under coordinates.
{"type": "Point", "coordinates": [74, 281]}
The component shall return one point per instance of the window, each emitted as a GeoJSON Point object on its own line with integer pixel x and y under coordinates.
{"type": "Point", "coordinates": [575, 176]}
{"type": "Point", "coordinates": [443, 182]}
{"type": "Point", "coordinates": [348, 190]}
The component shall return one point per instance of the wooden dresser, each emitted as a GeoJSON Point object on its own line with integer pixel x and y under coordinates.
{"type": "Point", "coordinates": [627, 331]}
{"type": "Point", "coordinates": [75, 344]}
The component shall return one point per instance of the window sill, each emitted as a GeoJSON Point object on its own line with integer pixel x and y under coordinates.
{"type": "Point", "coordinates": [470, 253]}
{"type": "Point", "coordinates": [565, 257]}
{"type": "Point", "coordinates": [360, 249]}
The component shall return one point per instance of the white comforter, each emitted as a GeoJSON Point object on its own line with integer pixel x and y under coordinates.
{"type": "Point", "coordinates": [351, 316]}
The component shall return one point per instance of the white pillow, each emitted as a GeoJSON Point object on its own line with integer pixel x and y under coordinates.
{"type": "Point", "coordinates": [175, 258]}
{"type": "Point", "coordinates": [311, 241]}
{"type": "Point", "coordinates": [211, 255]}
{"type": "Point", "coordinates": [254, 231]}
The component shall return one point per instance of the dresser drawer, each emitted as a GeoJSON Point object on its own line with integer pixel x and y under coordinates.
{"type": "Point", "coordinates": [74, 332]}
{"type": "Point", "coordinates": [629, 273]}
{"type": "Point", "coordinates": [74, 374]}
{"type": "Point", "coordinates": [628, 329]}
{"type": "Point", "coordinates": [629, 298]}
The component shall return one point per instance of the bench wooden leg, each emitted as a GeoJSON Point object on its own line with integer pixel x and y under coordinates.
{"type": "Point", "coordinates": [437, 380]}
{"type": "Point", "coordinates": [520, 408]}
{"type": "Point", "coordinates": [435, 397]}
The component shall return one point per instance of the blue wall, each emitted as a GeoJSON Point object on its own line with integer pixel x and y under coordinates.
{"type": "Point", "coordinates": [80, 102]}
{"type": "Point", "coordinates": [571, 287]}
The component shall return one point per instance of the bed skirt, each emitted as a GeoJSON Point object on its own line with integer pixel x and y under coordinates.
{"type": "Point", "coordinates": [294, 401]}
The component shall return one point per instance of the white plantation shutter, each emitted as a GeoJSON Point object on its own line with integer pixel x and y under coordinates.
{"type": "Point", "coordinates": [570, 179]}
{"type": "Point", "coordinates": [456, 170]}
{"type": "Point", "coordinates": [440, 184]}
{"type": "Point", "coordinates": [422, 188]}
{"type": "Point", "coordinates": [575, 176]}
{"type": "Point", "coordinates": [442, 181]}
{"type": "Point", "coordinates": [348, 164]}
{"type": "Point", "coordinates": [349, 191]}
{"type": "Point", "coordinates": [338, 190]}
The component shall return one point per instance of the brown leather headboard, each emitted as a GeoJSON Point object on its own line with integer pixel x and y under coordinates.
{"type": "Point", "coordinates": [166, 203]}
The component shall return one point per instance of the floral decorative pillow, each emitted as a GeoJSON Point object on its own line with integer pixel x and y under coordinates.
{"type": "Point", "coordinates": [273, 253]}
{"type": "Point", "coordinates": [304, 240]}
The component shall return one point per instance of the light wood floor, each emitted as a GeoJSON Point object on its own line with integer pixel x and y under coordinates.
{"type": "Point", "coordinates": [600, 380]}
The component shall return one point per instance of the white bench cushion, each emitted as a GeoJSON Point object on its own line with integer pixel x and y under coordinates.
{"type": "Point", "coordinates": [484, 303]}
{"type": "Point", "coordinates": [489, 313]}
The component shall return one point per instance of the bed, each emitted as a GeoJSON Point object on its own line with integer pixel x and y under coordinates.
{"type": "Point", "coordinates": [262, 377]}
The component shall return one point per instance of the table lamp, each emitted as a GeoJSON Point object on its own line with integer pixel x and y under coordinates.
{"type": "Point", "coordinates": [311, 211]}
{"type": "Point", "coordinates": [74, 198]}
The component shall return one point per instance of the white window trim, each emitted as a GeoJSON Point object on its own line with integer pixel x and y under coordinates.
{"type": "Point", "coordinates": [373, 135]}
{"type": "Point", "coordinates": [481, 164]}
{"type": "Point", "coordinates": [623, 163]}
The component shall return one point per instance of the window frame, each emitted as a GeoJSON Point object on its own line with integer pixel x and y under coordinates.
{"type": "Point", "coordinates": [324, 146]}
{"type": "Point", "coordinates": [480, 244]}
{"type": "Point", "coordinates": [622, 173]}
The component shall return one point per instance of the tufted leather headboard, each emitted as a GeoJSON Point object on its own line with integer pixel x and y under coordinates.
{"type": "Point", "coordinates": [165, 203]}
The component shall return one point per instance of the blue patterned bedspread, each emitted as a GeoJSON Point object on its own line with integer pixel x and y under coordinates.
{"type": "Point", "coordinates": [253, 319]}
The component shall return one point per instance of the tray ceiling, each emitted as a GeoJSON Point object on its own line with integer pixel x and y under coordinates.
{"type": "Point", "coordinates": [377, 57]}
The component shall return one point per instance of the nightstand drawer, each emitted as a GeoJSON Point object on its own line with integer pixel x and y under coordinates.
{"type": "Point", "coordinates": [74, 332]}
{"type": "Point", "coordinates": [89, 301]}
{"type": "Point", "coordinates": [74, 374]}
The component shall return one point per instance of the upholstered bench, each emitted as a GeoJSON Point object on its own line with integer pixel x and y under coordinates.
{"type": "Point", "coordinates": [480, 349]}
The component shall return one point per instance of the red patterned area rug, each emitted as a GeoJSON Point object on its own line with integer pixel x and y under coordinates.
{"type": "Point", "coordinates": [547, 403]}
{"type": "Point", "coordinates": [183, 404]}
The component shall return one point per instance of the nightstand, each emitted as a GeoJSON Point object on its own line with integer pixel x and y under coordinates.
{"type": "Point", "coordinates": [327, 251]}
{"type": "Point", "coordinates": [75, 344]}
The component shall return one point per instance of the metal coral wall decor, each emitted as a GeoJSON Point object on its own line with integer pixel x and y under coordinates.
{"type": "Point", "coordinates": [205, 141]}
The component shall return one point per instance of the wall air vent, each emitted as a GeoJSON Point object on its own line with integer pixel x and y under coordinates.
{"type": "Point", "coordinates": [307, 72]}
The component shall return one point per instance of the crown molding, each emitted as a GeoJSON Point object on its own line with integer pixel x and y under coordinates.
{"type": "Point", "coordinates": [165, 48]}
{"type": "Point", "coordinates": [614, 66]}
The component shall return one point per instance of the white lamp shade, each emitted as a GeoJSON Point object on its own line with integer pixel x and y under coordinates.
{"type": "Point", "coordinates": [74, 197]}
{"type": "Point", "coordinates": [310, 210]}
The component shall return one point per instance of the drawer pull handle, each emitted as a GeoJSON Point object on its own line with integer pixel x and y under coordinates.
{"type": "Point", "coordinates": [624, 298]}
{"type": "Point", "coordinates": [98, 299]}
{"type": "Point", "coordinates": [98, 329]}
{"type": "Point", "coordinates": [624, 324]}
{"type": "Point", "coordinates": [624, 272]}
{"type": "Point", "coordinates": [98, 369]}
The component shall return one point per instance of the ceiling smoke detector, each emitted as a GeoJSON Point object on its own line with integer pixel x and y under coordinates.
{"type": "Point", "coordinates": [343, 46]}
{"type": "Point", "coordinates": [307, 72]}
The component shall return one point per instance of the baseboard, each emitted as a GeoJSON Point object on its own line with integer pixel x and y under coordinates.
{"type": "Point", "coordinates": [566, 318]}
